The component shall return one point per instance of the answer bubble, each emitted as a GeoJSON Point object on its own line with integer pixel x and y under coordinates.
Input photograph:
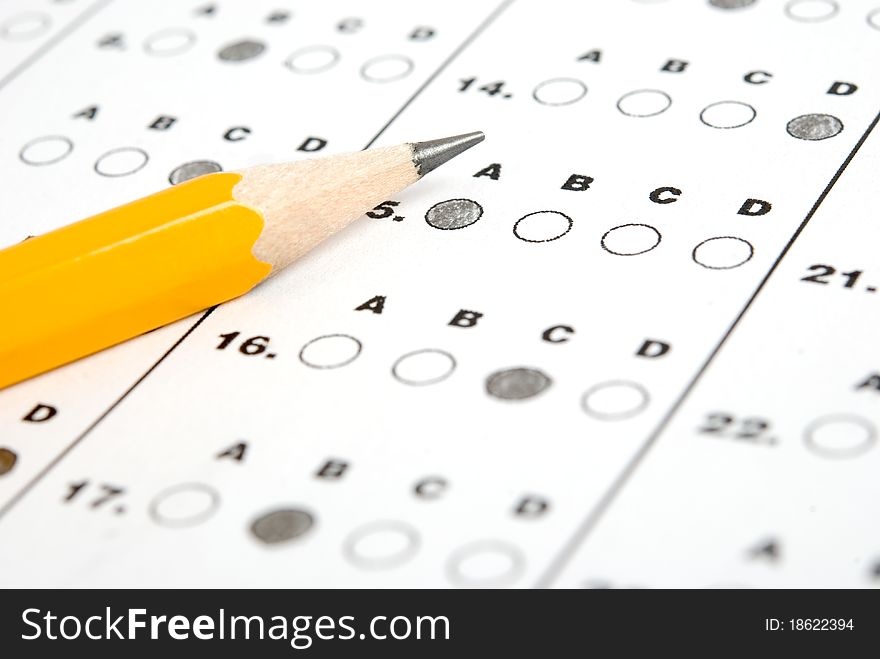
{"type": "Point", "coordinates": [422, 367]}
{"type": "Point", "coordinates": [630, 239]}
{"type": "Point", "coordinates": [485, 564]}
{"type": "Point", "coordinates": [517, 383]}
{"type": "Point", "coordinates": [454, 214]}
{"type": "Point", "coordinates": [22, 27]}
{"type": "Point", "coordinates": [312, 59]}
{"type": "Point", "coordinates": [382, 544]}
{"type": "Point", "coordinates": [281, 525]}
{"type": "Point", "coordinates": [811, 11]}
{"type": "Point", "coordinates": [559, 91]}
{"type": "Point", "coordinates": [241, 51]}
{"type": "Point", "coordinates": [542, 226]}
{"type": "Point", "coordinates": [172, 41]}
{"type": "Point", "coordinates": [814, 127]}
{"type": "Point", "coordinates": [874, 19]}
{"type": "Point", "coordinates": [644, 103]}
{"type": "Point", "coordinates": [330, 351]}
{"type": "Point", "coordinates": [45, 150]}
{"type": "Point", "coordinates": [192, 169]}
{"type": "Point", "coordinates": [8, 458]}
{"type": "Point", "coordinates": [183, 505]}
{"type": "Point", "coordinates": [840, 436]}
{"type": "Point", "coordinates": [723, 252]}
{"type": "Point", "coordinates": [728, 114]}
{"type": "Point", "coordinates": [123, 161]}
{"type": "Point", "coordinates": [387, 68]}
{"type": "Point", "coordinates": [615, 400]}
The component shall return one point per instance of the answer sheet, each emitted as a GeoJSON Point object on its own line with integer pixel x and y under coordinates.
{"type": "Point", "coordinates": [627, 341]}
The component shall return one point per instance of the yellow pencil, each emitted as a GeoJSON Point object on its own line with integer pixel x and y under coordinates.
{"type": "Point", "coordinates": [92, 284]}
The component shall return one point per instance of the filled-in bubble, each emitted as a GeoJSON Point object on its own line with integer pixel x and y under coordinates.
{"type": "Point", "coordinates": [517, 383]}
{"type": "Point", "coordinates": [281, 525]}
{"type": "Point", "coordinates": [7, 460]}
{"type": "Point", "coordinates": [731, 4]}
{"type": "Point", "coordinates": [814, 127]}
{"type": "Point", "coordinates": [241, 51]}
{"type": "Point", "coordinates": [454, 214]}
{"type": "Point", "coordinates": [190, 170]}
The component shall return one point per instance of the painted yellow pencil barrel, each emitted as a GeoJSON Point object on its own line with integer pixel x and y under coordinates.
{"type": "Point", "coordinates": [113, 276]}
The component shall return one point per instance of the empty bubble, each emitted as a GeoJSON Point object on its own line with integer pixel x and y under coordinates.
{"type": "Point", "coordinates": [559, 91]}
{"type": "Point", "coordinates": [485, 564]}
{"type": "Point", "coordinates": [454, 214]}
{"type": "Point", "coordinates": [313, 59]}
{"type": "Point", "coordinates": [874, 19]}
{"type": "Point", "coordinates": [172, 41]}
{"type": "Point", "coordinates": [644, 103]}
{"type": "Point", "coordinates": [517, 383]}
{"type": "Point", "coordinates": [631, 239]}
{"type": "Point", "coordinates": [840, 436]}
{"type": "Point", "coordinates": [727, 114]}
{"type": "Point", "coordinates": [723, 252]}
{"type": "Point", "coordinates": [121, 162]}
{"type": "Point", "coordinates": [190, 170]}
{"type": "Point", "coordinates": [814, 127]}
{"type": "Point", "coordinates": [281, 525]}
{"type": "Point", "coordinates": [542, 226]}
{"type": "Point", "coordinates": [382, 544]}
{"type": "Point", "coordinates": [421, 367]}
{"type": "Point", "coordinates": [25, 26]}
{"type": "Point", "coordinates": [811, 11]}
{"type": "Point", "coordinates": [387, 68]}
{"type": "Point", "coordinates": [615, 400]}
{"type": "Point", "coordinates": [184, 505]}
{"type": "Point", "coordinates": [240, 51]}
{"type": "Point", "coordinates": [45, 150]}
{"type": "Point", "coordinates": [330, 351]}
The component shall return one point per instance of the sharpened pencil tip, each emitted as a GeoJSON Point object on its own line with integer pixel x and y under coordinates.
{"type": "Point", "coordinates": [428, 156]}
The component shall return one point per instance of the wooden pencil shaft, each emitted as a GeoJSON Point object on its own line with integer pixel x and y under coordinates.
{"type": "Point", "coordinates": [305, 202]}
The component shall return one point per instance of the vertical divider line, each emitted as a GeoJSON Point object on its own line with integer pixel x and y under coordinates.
{"type": "Point", "coordinates": [54, 41]}
{"type": "Point", "coordinates": [455, 53]}
{"type": "Point", "coordinates": [58, 458]}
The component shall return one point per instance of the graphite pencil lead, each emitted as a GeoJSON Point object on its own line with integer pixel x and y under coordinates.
{"type": "Point", "coordinates": [428, 156]}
